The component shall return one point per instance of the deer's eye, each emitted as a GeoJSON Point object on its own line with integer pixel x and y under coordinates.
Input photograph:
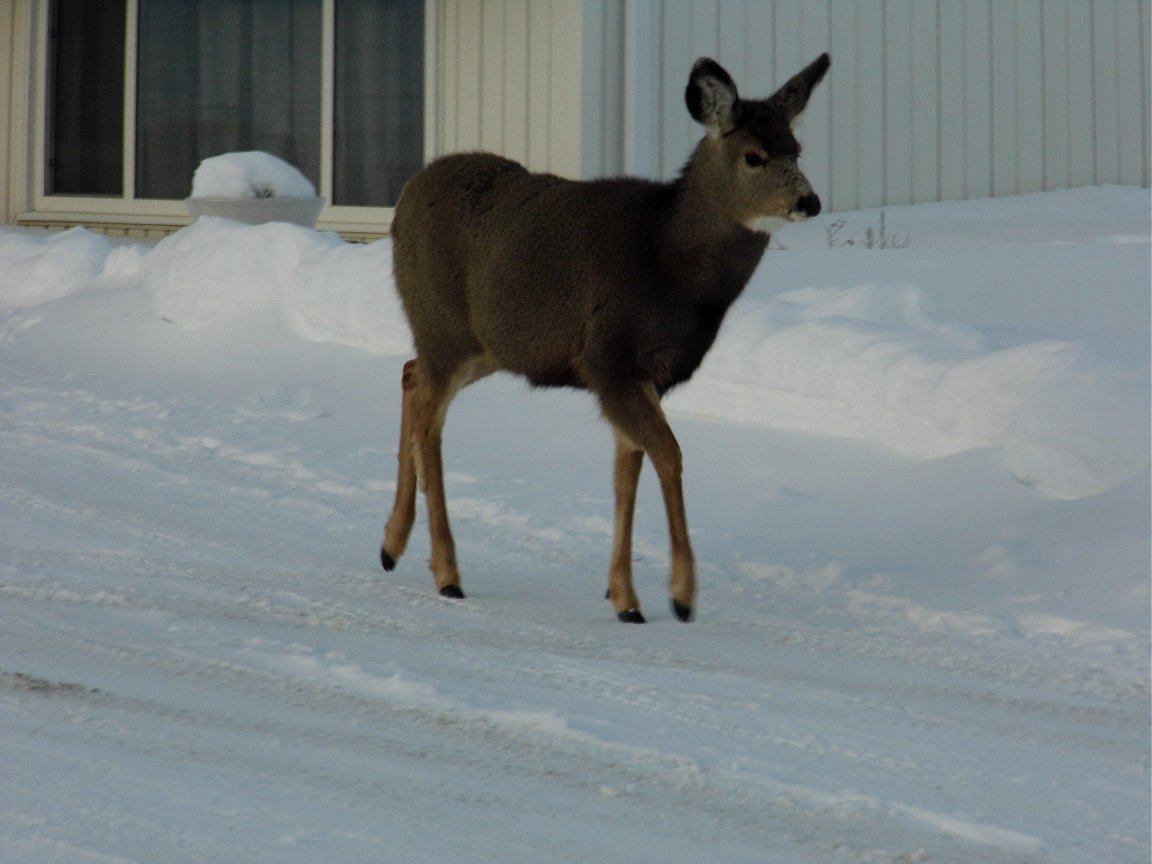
{"type": "Point", "coordinates": [754, 160]}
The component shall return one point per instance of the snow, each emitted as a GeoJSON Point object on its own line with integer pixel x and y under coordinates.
{"type": "Point", "coordinates": [918, 485]}
{"type": "Point", "coordinates": [250, 174]}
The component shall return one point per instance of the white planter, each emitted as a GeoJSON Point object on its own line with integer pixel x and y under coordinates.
{"type": "Point", "coordinates": [257, 211]}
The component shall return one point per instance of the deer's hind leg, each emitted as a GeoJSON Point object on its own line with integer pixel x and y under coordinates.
{"type": "Point", "coordinates": [399, 525]}
{"type": "Point", "coordinates": [427, 395]}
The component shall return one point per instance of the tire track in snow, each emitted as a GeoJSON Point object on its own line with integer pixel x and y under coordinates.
{"type": "Point", "coordinates": [274, 693]}
{"type": "Point", "coordinates": [549, 708]}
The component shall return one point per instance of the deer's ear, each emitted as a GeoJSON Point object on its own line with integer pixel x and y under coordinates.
{"type": "Point", "coordinates": [711, 97]}
{"type": "Point", "coordinates": [793, 96]}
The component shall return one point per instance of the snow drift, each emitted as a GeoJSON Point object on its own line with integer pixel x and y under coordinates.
{"type": "Point", "coordinates": [862, 360]}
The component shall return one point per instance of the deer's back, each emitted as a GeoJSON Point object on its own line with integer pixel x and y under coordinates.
{"type": "Point", "coordinates": [556, 280]}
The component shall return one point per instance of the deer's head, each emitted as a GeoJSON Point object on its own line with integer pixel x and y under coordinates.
{"type": "Point", "coordinates": [748, 161]}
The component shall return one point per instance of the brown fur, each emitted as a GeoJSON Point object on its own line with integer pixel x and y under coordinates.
{"type": "Point", "coordinates": [617, 286]}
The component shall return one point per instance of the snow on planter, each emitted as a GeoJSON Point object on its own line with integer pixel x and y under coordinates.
{"type": "Point", "coordinates": [253, 187]}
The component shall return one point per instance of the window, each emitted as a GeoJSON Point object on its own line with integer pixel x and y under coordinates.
{"type": "Point", "coordinates": [215, 76]}
{"type": "Point", "coordinates": [379, 128]}
{"type": "Point", "coordinates": [205, 77]}
{"type": "Point", "coordinates": [86, 140]}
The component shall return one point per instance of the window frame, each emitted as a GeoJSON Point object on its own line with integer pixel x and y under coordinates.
{"type": "Point", "coordinates": [127, 209]}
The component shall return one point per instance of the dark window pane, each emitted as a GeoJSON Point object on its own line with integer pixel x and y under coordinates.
{"type": "Point", "coordinates": [217, 76]}
{"type": "Point", "coordinates": [379, 134]}
{"type": "Point", "coordinates": [86, 132]}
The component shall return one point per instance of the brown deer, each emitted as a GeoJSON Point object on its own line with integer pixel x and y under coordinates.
{"type": "Point", "coordinates": [617, 286]}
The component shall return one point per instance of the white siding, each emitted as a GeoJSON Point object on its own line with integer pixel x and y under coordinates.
{"type": "Point", "coordinates": [16, 107]}
{"type": "Point", "coordinates": [500, 71]}
{"type": "Point", "coordinates": [926, 99]}
{"type": "Point", "coordinates": [540, 81]}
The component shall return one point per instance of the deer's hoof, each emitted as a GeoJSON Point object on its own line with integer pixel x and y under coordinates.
{"type": "Point", "coordinates": [682, 612]}
{"type": "Point", "coordinates": [386, 560]}
{"type": "Point", "coordinates": [631, 616]}
{"type": "Point", "coordinates": [452, 592]}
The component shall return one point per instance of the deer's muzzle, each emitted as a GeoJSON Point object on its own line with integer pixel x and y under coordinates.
{"type": "Point", "coordinates": [808, 206]}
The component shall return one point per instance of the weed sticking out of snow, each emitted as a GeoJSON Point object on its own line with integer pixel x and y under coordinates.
{"type": "Point", "coordinates": [877, 237]}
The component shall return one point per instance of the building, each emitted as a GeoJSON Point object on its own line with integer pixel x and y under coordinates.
{"type": "Point", "coordinates": [108, 105]}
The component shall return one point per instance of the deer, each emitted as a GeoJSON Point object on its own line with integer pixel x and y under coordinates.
{"type": "Point", "coordinates": [616, 286]}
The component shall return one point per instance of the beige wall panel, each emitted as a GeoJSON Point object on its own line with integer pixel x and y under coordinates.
{"type": "Point", "coordinates": [512, 72]}
{"type": "Point", "coordinates": [16, 106]}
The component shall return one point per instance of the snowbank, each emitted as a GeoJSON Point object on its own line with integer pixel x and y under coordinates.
{"type": "Point", "coordinates": [251, 174]}
{"type": "Point", "coordinates": [37, 268]}
{"type": "Point", "coordinates": [855, 359]}
{"type": "Point", "coordinates": [321, 288]}
{"type": "Point", "coordinates": [864, 362]}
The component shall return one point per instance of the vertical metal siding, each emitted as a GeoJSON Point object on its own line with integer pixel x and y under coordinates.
{"type": "Point", "coordinates": [927, 99]}
{"type": "Point", "coordinates": [510, 80]}
{"type": "Point", "coordinates": [604, 67]}
{"type": "Point", "coordinates": [540, 81]}
{"type": "Point", "coordinates": [17, 25]}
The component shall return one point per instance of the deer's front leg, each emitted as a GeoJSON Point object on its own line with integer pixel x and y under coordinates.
{"type": "Point", "coordinates": [682, 577]}
{"type": "Point", "coordinates": [635, 413]}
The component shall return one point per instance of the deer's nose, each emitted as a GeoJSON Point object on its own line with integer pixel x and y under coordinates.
{"type": "Point", "coordinates": [809, 205]}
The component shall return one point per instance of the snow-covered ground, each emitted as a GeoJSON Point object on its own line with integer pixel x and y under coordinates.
{"type": "Point", "coordinates": [918, 485]}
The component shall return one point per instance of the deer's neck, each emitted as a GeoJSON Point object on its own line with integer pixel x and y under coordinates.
{"type": "Point", "coordinates": [703, 250]}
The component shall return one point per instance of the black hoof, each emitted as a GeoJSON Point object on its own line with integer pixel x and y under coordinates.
{"type": "Point", "coordinates": [631, 616]}
{"type": "Point", "coordinates": [387, 561]}
{"type": "Point", "coordinates": [452, 592]}
{"type": "Point", "coordinates": [682, 612]}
